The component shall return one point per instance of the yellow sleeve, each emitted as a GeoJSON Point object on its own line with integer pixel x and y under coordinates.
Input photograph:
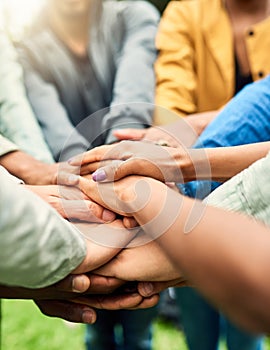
{"type": "Point", "coordinates": [175, 66]}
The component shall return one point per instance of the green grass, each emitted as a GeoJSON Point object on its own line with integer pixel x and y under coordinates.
{"type": "Point", "coordinates": [25, 328]}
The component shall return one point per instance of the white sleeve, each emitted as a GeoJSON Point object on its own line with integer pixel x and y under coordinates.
{"type": "Point", "coordinates": [38, 247]}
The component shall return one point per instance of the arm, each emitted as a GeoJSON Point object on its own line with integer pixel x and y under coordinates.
{"type": "Point", "coordinates": [211, 247]}
{"type": "Point", "coordinates": [227, 276]}
{"type": "Point", "coordinates": [27, 168]}
{"type": "Point", "coordinates": [167, 163]}
{"type": "Point", "coordinates": [134, 85]}
{"type": "Point", "coordinates": [17, 121]}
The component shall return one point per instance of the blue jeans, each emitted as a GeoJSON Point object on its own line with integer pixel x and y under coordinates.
{"type": "Point", "coordinates": [203, 325]}
{"type": "Point", "coordinates": [121, 330]}
{"type": "Point", "coordinates": [246, 119]}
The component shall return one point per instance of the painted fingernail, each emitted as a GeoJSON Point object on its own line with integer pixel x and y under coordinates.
{"type": "Point", "coordinates": [108, 216]}
{"type": "Point", "coordinates": [99, 175]}
{"type": "Point", "coordinates": [88, 316]}
{"type": "Point", "coordinates": [148, 288]}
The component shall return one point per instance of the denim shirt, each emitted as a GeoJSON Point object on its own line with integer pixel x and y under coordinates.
{"type": "Point", "coordinates": [245, 119]}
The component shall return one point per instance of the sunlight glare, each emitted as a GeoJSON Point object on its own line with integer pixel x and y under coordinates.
{"type": "Point", "coordinates": [20, 12]}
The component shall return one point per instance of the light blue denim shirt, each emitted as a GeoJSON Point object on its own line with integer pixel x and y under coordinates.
{"type": "Point", "coordinates": [245, 119]}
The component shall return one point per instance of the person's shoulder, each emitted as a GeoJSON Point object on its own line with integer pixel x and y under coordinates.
{"type": "Point", "coordinates": [184, 12]}
{"type": "Point", "coordinates": [184, 6]}
{"type": "Point", "coordinates": [138, 8]}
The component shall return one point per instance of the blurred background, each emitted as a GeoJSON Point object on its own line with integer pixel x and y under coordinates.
{"type": "Point", "coordinates": [18, 13]}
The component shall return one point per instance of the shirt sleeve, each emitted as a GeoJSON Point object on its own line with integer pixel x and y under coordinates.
{"type": "Point", "coordinates": [6, 146]}
{"type": "Point", "coordinates": [38, 247]}
{"type": "Point", "coordinates": [175, 73]}
{"type": "Point", "coordinates": [62, 137]}
{"type": "Point", "coordinates": [134, 85]}
{"type": "Point", "coordinates": [17, 121]}
{"type": "Point", "coordinates": [247, 192]}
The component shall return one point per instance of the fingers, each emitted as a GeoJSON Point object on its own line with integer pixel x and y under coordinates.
{"type": "Point", "coordinates": [129, 134]}
{"type": "Point", "coordinates": [66, 174]}
{"type": "Point", "coordinates": [119, 151]}
{"type": "Point", "coordinates": [68, 311]}
{"type": "Point", "coordinates": [147, 289]}
{"type": "Point", "coordinates": [114, 171]}
{"type": "Point", "coordinates": [94, 155]}
{"type": "Point", "coordinates": [117, 302]}
{"type": "Point", "coordinates": [129, 222]}
{"type": "Point", "coordinates": [74, 283]}
{"type": "Point", "coordinates": [104, 285]}
{"type": "Point", "coordinates": [92, 167]}
{"type": "Point", "coordinates": [118, 170]}
{"type": "Point", "coordinates": [83, 210]}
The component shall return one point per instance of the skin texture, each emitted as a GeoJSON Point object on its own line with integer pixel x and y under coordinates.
{"type": "Point", "coordinates": [184, 131]}
{"type": "Point", "coordinates": [42, 179]}
{"type": "Point", "coordinates": [227, 276]}
{"type": "Point", "coordinates": [166, 163]}
{"type": "Point", "coordinates": [72, 204]}
{"type": "Point", "coordinates": [92, 292]}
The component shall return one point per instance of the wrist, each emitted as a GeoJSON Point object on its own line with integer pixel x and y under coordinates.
{"type": "Point", "coordinates": [184, 171]}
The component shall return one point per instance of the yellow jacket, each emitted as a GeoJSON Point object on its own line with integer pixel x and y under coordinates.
{"type": "Point", "coordinates": [196, 68]}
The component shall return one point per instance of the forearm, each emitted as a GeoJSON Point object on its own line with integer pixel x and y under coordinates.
{"type": "Point", "coordinates": [27, 168]}
{"type": "Point", "coordinates": [213, 248]}
{"type": "Point", "coordinates": [220, 164]}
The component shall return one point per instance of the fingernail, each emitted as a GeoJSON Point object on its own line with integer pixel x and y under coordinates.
{"type": "Point", "coordinates": [73, 179]}
{"type": "Point", "coordinates": [78, 284]}
{"type": "Point", "coordinates": [148, 288]}
{"type": "Point", "coordinates": [99, 175]}
{"type": "Point", "coordinates": [88, 316]}
{"type": "Point", "coordinates": [71, 160]}
{"type": "Point", "coordinates": [108, 216]}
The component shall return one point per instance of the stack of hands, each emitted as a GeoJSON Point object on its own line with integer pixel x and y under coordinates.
{"type": "Point", "coordinates": [123, 268]}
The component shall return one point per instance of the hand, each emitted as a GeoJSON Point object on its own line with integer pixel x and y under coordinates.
{"type": "Point", "coordinates": [117, 196]}
{"type": "Point", "coordinates": [70, 203]}
{"type": "Point", "coordinates": [200, 121]}
{"type": "Point", "coordinates": [69, 311]}
{"type": "Point", "coordinates": [103, 242]}
{"type": "Point", "coordinates": [158, 135]}
{"type": "Point", "coordinates": [80, 311]}
{"type": "Point", "coordinates": [147, 289]}
{"type": "Point", "coordinates": [129, 157]}
{"type": "Point", "coordinates": [185, 131]}
{"type": "Point", "coordinates": [142, 263]}
{"type": "Point", "coordinates": [35, 172]}
{"type": "Point", "coordinates": [131, 301]}
{"type": "Point", "coordinates": [69, 287]}
{"type": "Point", "coordinates": [55, 300]}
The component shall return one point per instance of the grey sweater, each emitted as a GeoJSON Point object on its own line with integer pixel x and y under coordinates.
{"type": "Point", "coordinates": [121, 53]}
